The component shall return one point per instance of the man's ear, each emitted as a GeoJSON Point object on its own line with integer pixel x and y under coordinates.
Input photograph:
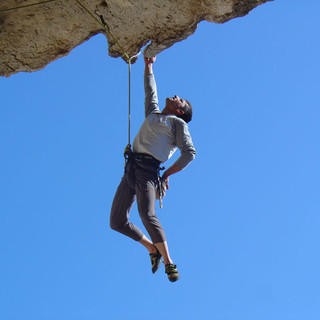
{"type": "Point", "coordinates": [179, 112]}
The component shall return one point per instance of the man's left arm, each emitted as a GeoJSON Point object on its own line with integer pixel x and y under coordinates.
{"type": "Point", "coordinates": [188, 152]}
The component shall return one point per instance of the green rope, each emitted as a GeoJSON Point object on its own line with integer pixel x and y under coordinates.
{"type": "Point", "coordinates": [107, 29]}
{"type": "Point", "coordinates": [26, 6]}
{"type": "Point", "coordinates": [129, 102]}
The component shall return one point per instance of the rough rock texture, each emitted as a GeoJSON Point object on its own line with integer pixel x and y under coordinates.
{"type": "Point", "coordinates": [32, 37]}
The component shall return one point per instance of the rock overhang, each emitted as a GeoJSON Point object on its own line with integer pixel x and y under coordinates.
{"type": "Point", "coordinates": [31, 37]}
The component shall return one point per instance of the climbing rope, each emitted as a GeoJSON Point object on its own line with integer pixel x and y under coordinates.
{"type": "Point", "coordinates": [127, 150]}
{"type": "Point", "coordinates": [105, 26]}
{"type": "Point", "coordinates": [26, 5]}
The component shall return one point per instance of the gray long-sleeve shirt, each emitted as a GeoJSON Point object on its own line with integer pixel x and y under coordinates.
{"type": "Point", "coordinates": [161, 134]}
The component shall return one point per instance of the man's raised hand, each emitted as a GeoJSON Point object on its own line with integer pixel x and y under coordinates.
{"type": "Point", "coordinates": [149, 60]}
{"type": "Point", "coordinates": [148, 64]}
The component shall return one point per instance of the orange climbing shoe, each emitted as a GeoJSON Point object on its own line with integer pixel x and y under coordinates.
{"type": "Point", "coordinates": [155, 261]}
{"type": "Point", "coordinates": [172, 272]}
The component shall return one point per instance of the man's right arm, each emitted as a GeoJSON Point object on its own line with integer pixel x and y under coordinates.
{"type": "Point", "coordinates": [148, 62]}
{"type": "Point", "coordinates": [150, 88]}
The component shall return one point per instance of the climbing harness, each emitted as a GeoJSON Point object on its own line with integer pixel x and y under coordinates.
{"type": "Point", "coordinates": [149, 163]}
{"type": "Point", "coordinates": [128, 154]}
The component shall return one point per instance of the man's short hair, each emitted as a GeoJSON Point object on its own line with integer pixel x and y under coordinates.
{"type": "Point", "coordinates": [187, 115]}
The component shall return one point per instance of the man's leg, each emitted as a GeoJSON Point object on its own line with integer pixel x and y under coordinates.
{"type": "Point", "coordinates": [164, 250]}
{"type": "Point", "coordinates": [162, 247]}
{"type": "Point", "coordinates": [120, 211]}
{"type": "Point", "coordinates": [148, 244]}
{"type": "Point", "coordinates": [145, 190]}
{"type": "Point", "coordinates": [121, 206]}
{"type": "Point", "coordinates": [119, 221]}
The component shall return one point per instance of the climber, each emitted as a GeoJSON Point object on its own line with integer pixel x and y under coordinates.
{"type": "Point", "coordinates": [158, 138]}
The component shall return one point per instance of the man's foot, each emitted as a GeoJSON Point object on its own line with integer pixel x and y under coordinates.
{"type": "Point", "coordinates": [155, 261]}
{"type": "Point", "coordinates": [172, 272]}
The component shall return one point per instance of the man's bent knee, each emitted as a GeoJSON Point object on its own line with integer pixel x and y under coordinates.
{"type": "Point", "coordinates": [116, 226]}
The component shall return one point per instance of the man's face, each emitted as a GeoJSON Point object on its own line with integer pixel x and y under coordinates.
{"type": "Point", "coordinates": [176, 104]}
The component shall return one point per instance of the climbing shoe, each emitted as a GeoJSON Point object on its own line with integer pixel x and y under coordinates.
{"type": "Point", "coordinates": [155, 261]}
{"type": "Point", "coordinates": [172, 272]}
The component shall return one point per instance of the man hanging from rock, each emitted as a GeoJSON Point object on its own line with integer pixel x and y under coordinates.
{"type": "Point", "coordinates": [158, 138]}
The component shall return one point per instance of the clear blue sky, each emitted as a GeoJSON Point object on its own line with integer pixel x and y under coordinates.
{"type": "Point", "coordinates": [242, 220]}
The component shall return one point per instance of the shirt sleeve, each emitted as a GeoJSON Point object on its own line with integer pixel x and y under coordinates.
{"type": "Point", "coordinates": [184, 143]}
{"type": "Point", "coordinates": [151, 96]}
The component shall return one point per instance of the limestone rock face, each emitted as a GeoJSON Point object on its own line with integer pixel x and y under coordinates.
{"type": "Point", "coordinates": [33, 36]}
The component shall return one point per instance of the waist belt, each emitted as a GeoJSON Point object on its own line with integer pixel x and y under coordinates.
{"type": "Point", "coordinates": [146, 159]}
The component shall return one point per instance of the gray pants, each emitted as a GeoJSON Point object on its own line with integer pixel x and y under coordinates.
{"type": "Point", "coordinates": [139, 183]}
